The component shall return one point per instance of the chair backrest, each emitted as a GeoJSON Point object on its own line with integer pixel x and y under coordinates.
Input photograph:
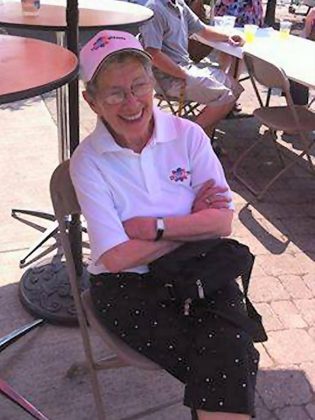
{"type": "Point", "coordinates": [65, 204]}
{"type": "Point", "coordinates": [266, 73]}
{"type": "Point", "coordinates": [62, 193]}
{"type": "Point", "coordinates": [270, 76]}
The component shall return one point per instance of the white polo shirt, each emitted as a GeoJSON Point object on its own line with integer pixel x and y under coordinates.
{"type": "Point", "coordinates": [114, 184]}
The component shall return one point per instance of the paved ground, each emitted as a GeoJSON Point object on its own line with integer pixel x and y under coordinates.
{"type": "Point", "coordinates": [45, 366]}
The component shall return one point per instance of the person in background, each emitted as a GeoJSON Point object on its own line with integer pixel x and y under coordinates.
{"type": "Point", "coordinates": [309, 26]}
{"type": "Point", "coordinates": [300, 93]}
{"type": "Point", "coordinates": [197, 50]}
{"type": "Point", "coordinates": [245, 11]}
{"type": "Point", "coordinates": [165, 38]}
{"type": "Point", "coordinates": [149, 183]}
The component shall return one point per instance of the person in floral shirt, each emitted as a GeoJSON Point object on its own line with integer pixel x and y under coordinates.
{"type": "Point", "coordinates": [245, 11]}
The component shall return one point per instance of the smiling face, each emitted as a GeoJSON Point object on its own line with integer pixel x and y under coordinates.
{"type": "Point", "coordinates": [131, 120]}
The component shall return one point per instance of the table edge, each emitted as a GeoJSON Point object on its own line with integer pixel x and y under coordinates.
{"type": "Point", "coordinates": [39, 90]}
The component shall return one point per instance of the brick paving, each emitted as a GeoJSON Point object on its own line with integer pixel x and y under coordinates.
{"type": "Point", "coordinates": [280, 231]}
{"type": "Point", "coordinates": [45, 366]}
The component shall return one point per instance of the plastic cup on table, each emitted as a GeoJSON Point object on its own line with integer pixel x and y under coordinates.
{"type": "Point", "coordinates": [30, 7]}
{"type": "Point", "coordinates": [218, 21]}
{"type": "Point", "coordinates": [285, 27]}
{"type": "Point", "coordinates": [229, 21]}
{"type": "Point", "coordinates": [249, 32]}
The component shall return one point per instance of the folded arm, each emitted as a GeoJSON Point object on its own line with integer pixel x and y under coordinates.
{"type": "Point", "coordinates": [205, 224]}
{"type": "Point", "coordinates": [210, 217]}
{"type": "Point", "coordinates": [135, 252]}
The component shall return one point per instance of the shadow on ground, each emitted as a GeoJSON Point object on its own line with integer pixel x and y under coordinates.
{"type": "Point", "coordinates": [46, 367]}
{"type": "Point", "coordinates": [289, 204]}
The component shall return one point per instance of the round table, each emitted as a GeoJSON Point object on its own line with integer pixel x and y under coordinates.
{"type": "Point", "coordinates": [26, 67]}
{"type": "Point", "coordinates": [53, 18]}
{"type": "Point", "coordinates": [30, 67]}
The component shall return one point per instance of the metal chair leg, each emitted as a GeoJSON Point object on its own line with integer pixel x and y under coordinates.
{"type": "Point", "coordinates": [275, 143]}
{"type": "Point", "coordinates": [14, 396]}
{"type": "Point", "coordinates": [307, 146]}
{"type": "Point", "coordinates": [260, 194]}
{"type": "Point", "coordinates": [18, 333]}
{"type": "Point", "coordinates": [5, 388]}
{"type": "Point", "coordinates": [279, 174]}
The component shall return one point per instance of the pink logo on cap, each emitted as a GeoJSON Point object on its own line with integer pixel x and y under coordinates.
{"type": "Point", "coordinates": [100, 42]}
{"type": "Point", "coordinates": [103, 40]}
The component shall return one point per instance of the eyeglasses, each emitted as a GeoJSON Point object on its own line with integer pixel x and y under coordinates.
{"type": "Point", "coordinates": [119, 96]}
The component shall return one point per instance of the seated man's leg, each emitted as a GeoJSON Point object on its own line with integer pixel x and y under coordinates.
{"type": "Point", "coordinates": [215, 89]}
{"type": "Point", "coordinates": [205, 85]}
{"type": "Point", "coordinates": [225, 62]}
{"type": "Point", "coordinates": [210, 116]}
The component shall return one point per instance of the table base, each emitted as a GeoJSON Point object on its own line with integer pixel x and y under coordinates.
{"type": "Point", "coordinates": [45, 291]}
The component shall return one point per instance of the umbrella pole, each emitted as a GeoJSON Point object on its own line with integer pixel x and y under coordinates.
{"type": "Point", "coordinates": [72, 19]}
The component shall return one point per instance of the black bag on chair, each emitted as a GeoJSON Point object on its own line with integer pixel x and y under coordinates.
{"type": "Point", "coordinates": [198, 269]}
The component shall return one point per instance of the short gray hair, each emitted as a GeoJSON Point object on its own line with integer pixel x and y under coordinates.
{"type": "Point", "coordinates": [119, 58]}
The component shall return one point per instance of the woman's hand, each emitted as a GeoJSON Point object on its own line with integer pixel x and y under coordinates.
{"type": "Point", "coordinates": [236, 40]}
{"type": "Point", "coordinates": [210, 196]}
{"type": "Point", "coordinates": [141, 228]}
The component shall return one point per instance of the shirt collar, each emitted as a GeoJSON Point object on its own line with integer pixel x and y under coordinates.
{"type": "Point", "coordinates": [164, 127]}
{"type": "Point", "coordinates": [164, 131]}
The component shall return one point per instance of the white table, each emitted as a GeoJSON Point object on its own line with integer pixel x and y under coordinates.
{"type": "Point", "coordinates": [295, 55]}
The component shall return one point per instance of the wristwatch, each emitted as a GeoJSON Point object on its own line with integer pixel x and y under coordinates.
{"type": "Point", "coordinates": [160, 227]}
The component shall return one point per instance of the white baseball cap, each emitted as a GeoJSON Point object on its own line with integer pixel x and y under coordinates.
{"type": "Point", "coordinates": [104, 45]}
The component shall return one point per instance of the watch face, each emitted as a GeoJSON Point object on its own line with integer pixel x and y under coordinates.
{"type": "Point", "coordinates": [160, 224]}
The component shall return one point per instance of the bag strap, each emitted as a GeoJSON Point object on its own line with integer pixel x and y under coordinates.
{"type": "Point", "coordinates": [260, 334]}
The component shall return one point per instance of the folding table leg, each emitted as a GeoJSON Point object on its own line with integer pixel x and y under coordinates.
{"type": "Point", "coordinates": [14, 396]}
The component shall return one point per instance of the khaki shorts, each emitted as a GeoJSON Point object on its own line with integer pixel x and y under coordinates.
{"type": "Point", "coordinates": [206, 85]}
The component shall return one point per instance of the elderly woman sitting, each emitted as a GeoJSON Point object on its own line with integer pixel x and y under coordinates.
{"type": "Point", "coordinates": [147, 183]}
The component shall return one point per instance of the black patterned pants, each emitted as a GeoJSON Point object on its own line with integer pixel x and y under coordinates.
{"type": "Point", "coordinates": [215, 359]}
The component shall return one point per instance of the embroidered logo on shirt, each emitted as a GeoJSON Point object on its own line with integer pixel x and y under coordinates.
{"type": "Point", "coordinates": [179, 174]}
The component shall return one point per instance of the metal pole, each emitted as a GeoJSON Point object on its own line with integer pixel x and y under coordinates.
{"type": "Point", "coordinates": [62, 110]}
{"type": "Point", "coordinates": [72, 18]}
